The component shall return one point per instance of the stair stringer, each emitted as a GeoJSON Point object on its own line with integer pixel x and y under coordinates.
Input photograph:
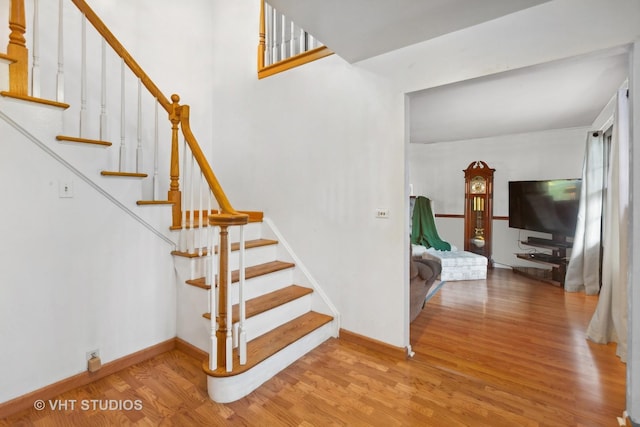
{"type": "Point", "coordinates": [320, 301]}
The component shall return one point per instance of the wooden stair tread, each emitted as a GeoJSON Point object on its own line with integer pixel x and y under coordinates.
{"type": "Point", "coordinates": [154, 202]}
{"type": "Point", "coordinates": [268, 301]}
{"type": "Point", "coordinates": [249, 244]}
{"type": "Point", "coordinates": [34, 99]}
{"type": "Point", "coordinates": [267, 345]}
{"type": "Point", "coordinates": [124, 174]}
{"type": "Point", "coordinates": [83, 140]}
{"type": "Point", "coordinates": [251, 272]}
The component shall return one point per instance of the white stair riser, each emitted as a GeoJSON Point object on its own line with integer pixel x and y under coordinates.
{"type": "Point", "coordinates": [271, 319]}
{"type": "Point", "coordinates": [253, 256]}
{"type": "Point", "coordinates": [229, 389]}
{"type": "Point", "coordinates": [252, 231]}
{"type": "Point", "coordinates": [262, 285]}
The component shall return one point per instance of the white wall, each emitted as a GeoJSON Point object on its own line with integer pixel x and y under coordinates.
{"type": "Point", "coordinates": [318, 149]}
{"type": "Point", "coordinates": [77, 274]}
{"type": "Point", "coordinates": [436, 171]}
{"type": "Point", "coordinates": [81, 274]}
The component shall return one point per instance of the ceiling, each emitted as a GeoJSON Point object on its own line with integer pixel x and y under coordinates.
{"type": "Point", "coordinates": [559, 94]}
{"type": "Point", "coordinates": [360, 29]}
{"type": "Point", "coordinates": [556, 95]}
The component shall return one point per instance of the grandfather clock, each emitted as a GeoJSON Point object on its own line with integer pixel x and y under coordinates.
{"type": "Point", "coordinates": [478, 209]}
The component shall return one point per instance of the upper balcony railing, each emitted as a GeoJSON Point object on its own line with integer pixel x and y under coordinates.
{"type": "Point", "coordinates": [284, 45]}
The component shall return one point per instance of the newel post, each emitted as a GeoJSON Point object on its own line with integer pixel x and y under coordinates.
{"type": "Point", "coordinates": [175, 195]}
{"type": "Point", "coordinates": [17, 50]}
{"type": "Point", "coordinates": [224, 332]}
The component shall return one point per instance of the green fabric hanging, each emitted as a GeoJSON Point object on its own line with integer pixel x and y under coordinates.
{"type": "Point", "coordinates": [423, 228]}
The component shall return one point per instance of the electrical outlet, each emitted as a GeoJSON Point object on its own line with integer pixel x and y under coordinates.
{"type": "Point", "coordinates": [65, 189]}
{"type": "Point", "coordinates": [382, 213]}
{"type": "Point", "coordinates": [93, 353]}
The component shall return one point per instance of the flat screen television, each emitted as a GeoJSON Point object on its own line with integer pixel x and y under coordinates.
{"type": "Point", "coordinates": [549, 206]}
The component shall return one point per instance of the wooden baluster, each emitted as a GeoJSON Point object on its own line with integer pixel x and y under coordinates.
{"type": "Point", "coordinates": [174, 186]}
{"type": "Point", "coordinates": [17, 49]}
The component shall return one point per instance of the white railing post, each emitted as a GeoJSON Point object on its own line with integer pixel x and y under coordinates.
{"type": "Point", "coordinates": [192, 220]}
{"type": "Point", "coordinates": [273, 35]}
{"type": "Point", "coordinates": [156, 190]}
{"type": "Point", "coordinates": [139, 163]}
{"type": "Point", "coordinates": [229, 338]}
{"type": "Point", "coordinates": [60, 74]}
{"type": "Point", "coordinates": [83, 78]}
{"type": "Point", "coordinates": [123, 148]}
{"type": "Point", "coordinates": [201, 217]}
{"type": "Point", "coordinates": [242, 344]}
{"type": "Point", "coordinates": [35, 69]}
{"type": "Point", "coordinates": [184, 230]}
{"type": "Point", "coordinates": [103, 91]}
{"type": "Point", "coordinates": [211, 269]}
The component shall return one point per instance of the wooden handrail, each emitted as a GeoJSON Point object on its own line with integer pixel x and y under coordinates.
{"type": "Point", "coordinates": [122, 52]}
{"type": "Point", "coordinates": [176, 112]}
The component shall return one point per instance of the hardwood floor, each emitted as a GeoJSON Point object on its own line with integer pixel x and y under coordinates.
{"type": "Point", "coordinates": [508, 351]}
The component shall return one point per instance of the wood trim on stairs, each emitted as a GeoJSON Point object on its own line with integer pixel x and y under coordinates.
{"type": "Point", "coordinates": [266, 345]}
{"type": "Point", "coordinates": [372, 344]}
{"type": "Point", "coordinates": [267, 302]}
{"type": "Point", "coordinates": [249, 244]}
{"type": "Point", "coordinates": [36, 100]}
{"type": "Point", "coordinates": [124, 174]}
{"type": "Point", "coordinates": [250, 273]}
{"type": "Point", "coordinates": [48, 392]}
{"type": "Point", "coordinates": [83, 140]}
{"type": "Point", "coordinates": [154, 202]}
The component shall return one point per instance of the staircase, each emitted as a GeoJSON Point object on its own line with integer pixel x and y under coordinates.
{"type": "Point", "coordinates": [284, 313]}
{"type": "Point", "coordinates": [277, 312]}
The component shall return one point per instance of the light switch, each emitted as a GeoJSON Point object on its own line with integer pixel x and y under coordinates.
{"type": "Point", "coordinates": [65, 188]}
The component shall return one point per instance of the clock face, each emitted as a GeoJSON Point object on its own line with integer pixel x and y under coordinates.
{"type": "Point", "coordinates": [478, 185]}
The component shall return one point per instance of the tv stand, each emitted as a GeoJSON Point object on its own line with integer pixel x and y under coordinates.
{"type": "Point", "coordinates": [557, 259]}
